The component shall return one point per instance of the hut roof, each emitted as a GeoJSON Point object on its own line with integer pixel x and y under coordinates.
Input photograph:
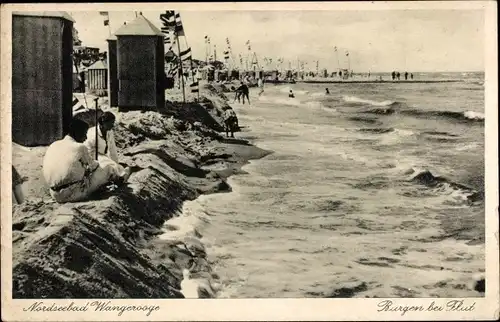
{"type": "Point", "coordinates": [51, 14]}
{"type": "Point", "coordinates": [100, 64]}
{"type": "Point", "coordinates": [140, 26]}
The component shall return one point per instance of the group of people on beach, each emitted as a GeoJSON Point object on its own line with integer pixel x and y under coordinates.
{"type": "Point", "coordinates": [84, 161]}
{"type": "Point", "coordinates": [396, 75]}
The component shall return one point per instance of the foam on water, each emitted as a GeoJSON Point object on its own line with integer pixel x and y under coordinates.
{"type": "Point", "coordinates": [335, 205]}
{"type": "Point", "coordinates": [474, 115]}
{"type": "Point", "coordinates": [355, 99]}
{"type": "Point", "coordinates": [295, 90]}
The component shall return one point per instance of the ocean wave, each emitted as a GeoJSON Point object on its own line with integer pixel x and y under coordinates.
{"type": "Point", "coordinates": [377, 130]}
{"type": "Point", "coordinates": [280, 100]}
{"type": "Point", "coordinates": [187, 224]}
{"type": "Point", "coordinates": [439, 133]}
{"type": "Point", "coordinates": [467, 146]}
{"type": "Point", "coordinates": [289, 101]}
{"type": "Point", "coordinates": [470, 116]}
{"type": "Point", "coordinates": [474, 115]}
{"type": "Point", "coordinates": [379, 110]}
{"type": "Point", "coordinates": [442, 185]}
{"type": "Point", "coordinates": [370, 120]}
{"type": "Point", "coordinates": [354, 99]}
{"type": "Point", "coordinates": [295, 91]}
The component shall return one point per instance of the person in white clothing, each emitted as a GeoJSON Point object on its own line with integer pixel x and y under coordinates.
{"type": "Point", "coordinates": [107, 154]}
{"type": "Point", "coordinates": [260, 84]}
{"type": "Point", "coordinates": [69, 170]}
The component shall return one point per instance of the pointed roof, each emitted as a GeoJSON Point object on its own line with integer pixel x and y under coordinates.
{"type": "Point", "coordinates": [100, 64]}
{"type": "Point", "coordinates": [140, 26]}
{"type": "Point", "coordinates": [51, 14]}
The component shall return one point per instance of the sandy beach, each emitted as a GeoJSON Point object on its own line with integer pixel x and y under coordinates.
{"type": "Point", "coordinates": [110, 247]}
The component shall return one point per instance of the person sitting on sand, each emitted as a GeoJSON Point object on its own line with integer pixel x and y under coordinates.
{"type": "Point", "coordinates": [291, 94]}
{"type": "Point", "coordinates": [230, 121]}
{"type": "Point", "coordinates": [70, 171]}
{"type": "Point", "coordinates": [327, 92]}
{"type": "Point", "coordinates": [243, 89]}
{"type": "Point", "coordinates": [107, 152]}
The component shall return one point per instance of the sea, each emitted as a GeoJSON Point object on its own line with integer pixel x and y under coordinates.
{"type": "Point", "coordinates": [372, 190]}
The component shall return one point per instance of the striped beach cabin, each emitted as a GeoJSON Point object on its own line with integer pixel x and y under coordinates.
{"type": "Point", "coordinates": [42, 76]}
{"type": "Point", "coordinates": [97, 78]}
{"type": "Point", "coordinates": [140, 66]}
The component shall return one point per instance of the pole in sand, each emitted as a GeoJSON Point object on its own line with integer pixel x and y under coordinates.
{"type": "Point", "coordinates": [75, 59]}
{"type": "Point", "coordinates": [96, 128]}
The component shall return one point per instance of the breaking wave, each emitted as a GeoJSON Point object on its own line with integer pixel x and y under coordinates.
{"type": "Point", "coordinates": [458, 116]}
{"type": "Point", "coordinates": [443, 185]}
{"type": "Point", "coordinates": [354, 99]}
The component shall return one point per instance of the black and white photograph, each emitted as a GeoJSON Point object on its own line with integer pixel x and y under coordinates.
{"type": "Point", "coordinates": [317, 151]}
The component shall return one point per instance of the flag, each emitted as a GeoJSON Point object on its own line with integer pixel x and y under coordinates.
{"type": "Point", "coordinates": [179, 29]}
{"type": "Point", "coordinates": [249, 47]}
{"type": "Point", "coordinates": [194, 87]}
{"type": "Point", "coordinates": [168, 21]}
{"type": "Point", "coordinates": [186, 54]}
{"type": "Point", "coordinates": [347, 53]}
{"type": "Point", "coordinates": [105, 14]}
{"type": "Point", "coordinates": [335, 48]}
{"type": "Point", "coordinates": [206, 38]}
{"type": "Point", "coordinates": [226, 54]}
{"type": "Point", "coordinates": [248, 42]}
{"type": "Point", "coordinates": [227, 41]}
{"type": "Point", "coordinates": [167, 40]}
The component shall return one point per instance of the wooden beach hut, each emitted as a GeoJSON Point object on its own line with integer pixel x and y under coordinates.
{"type": "Point", "coordinates": [42, 76]}
{"type": "Point", "coordinates": [97, 78]}
{"type": "Point", "coordinates": [140, 65]}
{"type": "Point", "coordinates": [112, 72]}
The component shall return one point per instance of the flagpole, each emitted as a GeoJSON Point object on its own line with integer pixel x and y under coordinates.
{"type": "Point", "coordinates": [348, 63]}
{"type": "Point", "coordinates": [109, 25]}
{"type": "Point", "coordinates": [338, 62]}
{"type": "Point", "coordinates": [180, 68]}
{"type": "Point", "coordinates": [78, 72]}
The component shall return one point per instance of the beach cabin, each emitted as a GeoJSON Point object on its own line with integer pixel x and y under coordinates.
{"type": "Point", "coordinates": [97, 78]}
{"type": "Point", "coordinates": [140, 65]}
{"type": "Point", "coordinates": [112, 72]}
{"type": "Point", "coordinates": [235, 74]}
{"type": "Point", "coordinates": [42, 76]}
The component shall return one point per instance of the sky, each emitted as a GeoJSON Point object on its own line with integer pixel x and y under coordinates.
{"type": "Point", "coordinates": [377, 41]}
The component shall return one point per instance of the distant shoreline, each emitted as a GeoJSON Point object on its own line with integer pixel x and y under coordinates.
{"type": "Point", "coordinates": [377, 81]}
